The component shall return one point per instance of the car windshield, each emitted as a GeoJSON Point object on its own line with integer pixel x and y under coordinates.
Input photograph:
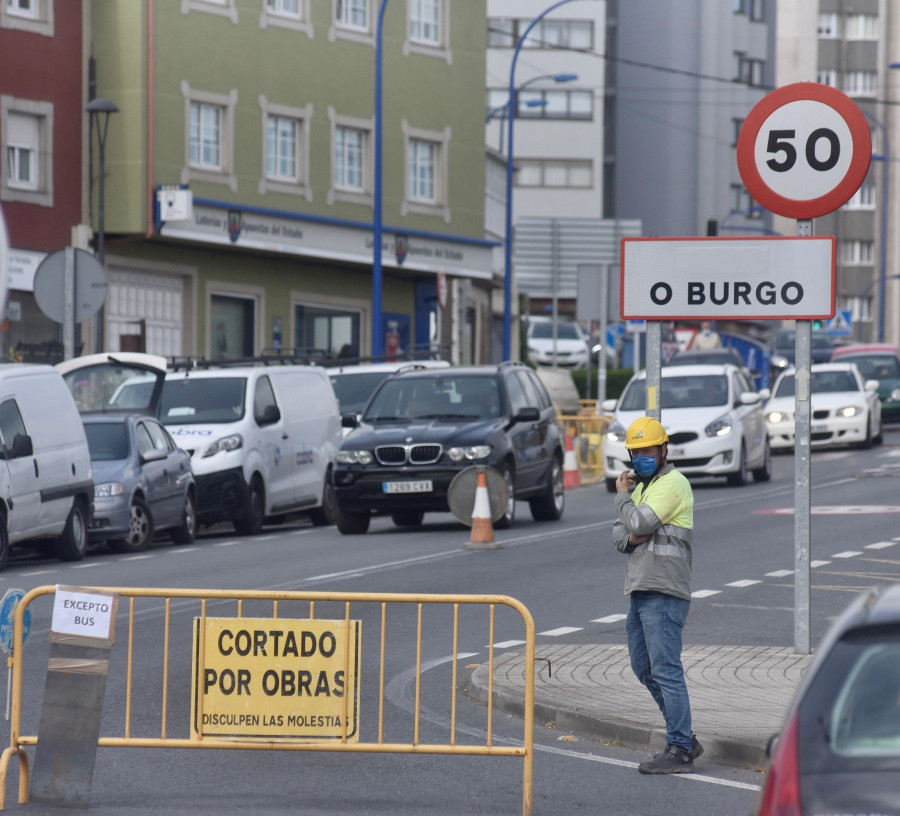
{"type": "Point", "coordinates": [353, 390]}
{"type": "Point", "coordinates": [202, 400]}
{"type": "Point", "coordinates": [694, 391]}
{"type": "Point", "coordinates": [821, 382]}
{"type": "Point", "coordinates": [875, 367]}
{"type": "Point", "coordinates": [448, 397]}
{"type": "Point", "coordinates": [107, 441]}
{"type": "Point", "coordinates": [705, 358]}
{"type": "Point", "coordinates": [564, 331]}
{"type": "Point", "coordinates": [820, 340]}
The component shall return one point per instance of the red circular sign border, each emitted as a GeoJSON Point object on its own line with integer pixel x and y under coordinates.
{"type": "Point", "coordinates": [859, 163]}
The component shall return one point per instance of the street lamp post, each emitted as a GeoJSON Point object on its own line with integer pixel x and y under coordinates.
{"type": "Point", "coordinates": [99, 110]}
{"type": "Point", "coordinates": [884, 158]}
{"type": "Point", "coordinates": [377, 273]}
{"type": "Point", "coordinates": [507, 249]}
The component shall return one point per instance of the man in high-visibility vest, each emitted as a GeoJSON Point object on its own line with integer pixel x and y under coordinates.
{"type": "Point", "coordinates": [655, 529]}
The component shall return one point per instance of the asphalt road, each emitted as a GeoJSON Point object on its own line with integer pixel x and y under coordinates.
{"type": "Point", "coordinates": [567, 574]}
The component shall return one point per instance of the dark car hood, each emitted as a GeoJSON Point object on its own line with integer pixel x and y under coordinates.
{"type": "Point", "coordinates": [441, 432]}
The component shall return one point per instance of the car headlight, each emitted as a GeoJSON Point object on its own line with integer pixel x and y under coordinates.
{"type": "Point", "coordinates": [354, 457]}
{"type": "Point", "coordinates": [108, 490]}
{"type": "Point", "coordinates": [848, 411]}
{"type": "Point", "coordinates": [895, 394]}
{"type": "Point", "coordinates": [777, 416]}
{"type": "Point", "coordinates": [225, 444]}
{"type": "Point", "coordinates": [471, 452]}
{"type": "Point", "coordinates": [778, 361]}
{"type": "Point", "coordinates": [616, 431]}
{"type": "Point", "coordinates": [720, 427]}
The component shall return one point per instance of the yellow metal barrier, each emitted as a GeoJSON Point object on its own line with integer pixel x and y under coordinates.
{"type": "Point", "coordinates": [284, 606]}
{"type": "Point", "coordinates": [586, 430]}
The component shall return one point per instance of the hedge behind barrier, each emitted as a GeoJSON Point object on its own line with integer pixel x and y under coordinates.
{"type": "Point", "coordinates": [616, 380]}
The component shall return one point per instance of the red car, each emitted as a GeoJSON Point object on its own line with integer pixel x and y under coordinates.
{"type": "Point", "coordinates": [877, 361]}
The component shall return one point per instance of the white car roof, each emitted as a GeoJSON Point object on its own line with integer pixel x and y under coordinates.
{"type": "Point", "coordinates": [370, 368]}
{"type": "Point", "coordinates": [688, 370]}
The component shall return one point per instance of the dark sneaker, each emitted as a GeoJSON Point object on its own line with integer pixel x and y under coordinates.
{"type": "Point", "coordinates": [672, 760]}
{"type": "Point", "coordinates": [696, 747]}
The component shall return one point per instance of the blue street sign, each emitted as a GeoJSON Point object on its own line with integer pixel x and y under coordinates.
{"type": "Point", "coordinates": [7, 619]}
{"type": "Point", "coordinates": [840, 325]}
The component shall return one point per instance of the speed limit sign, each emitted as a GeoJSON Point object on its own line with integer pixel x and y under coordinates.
{"type": "Point", "coordinates": [804, 150]}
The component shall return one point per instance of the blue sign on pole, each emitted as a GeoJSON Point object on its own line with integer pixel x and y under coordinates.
{"type": "Point", "coordinates": [7, 619]}
{"type": "Point", "coordinates": [840, 325]}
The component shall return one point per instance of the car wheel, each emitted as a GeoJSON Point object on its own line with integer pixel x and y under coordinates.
{"type": "Point", "coordinates": [187, 532]}
{"type": "Point", "coordinates": [407, 518]}
{"type": "Point", "coordinates": [140, 528]}
{"type": "Point", "coordinates": [253, 519]}
{"type": "Point", "coordinates": [506, 520]}
{"type": "Point", "coordinates": [764, 473]}
{"type": "Point", "coordinates": [611, 485]}
{"type": "Point", "coordinates": [878, 439]}
{"type": "Point", "coordinates": [350, 523]}
{"type": "Point", "coordinates": [4, 543]}
{"type": "Point", "coordinates": [72, 544]}
{"type": "Point", "coordinates": [324, 515]}
{"type": "Point", "coordinates": [742, 474]}
{"type": "Point", "coordinates": [550, 505]}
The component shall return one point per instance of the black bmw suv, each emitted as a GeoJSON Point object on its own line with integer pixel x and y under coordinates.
{"type": "Point", "coordinates": [422, 427]}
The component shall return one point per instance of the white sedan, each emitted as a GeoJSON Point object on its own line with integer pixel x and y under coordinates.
{"type": "Point", "coordinates": [844, 408]}
{"type": "Point", "coordinates": [712, 415]}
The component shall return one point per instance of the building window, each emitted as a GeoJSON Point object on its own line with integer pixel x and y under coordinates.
{"type": "Point", "coordinates": [292, 14]}
{"type": "Point", "coordinates": [859, 83]}
{"type": "Point", "coordinates": [860, 308]}
{"type": "Point", "coordinates": [863, 198]}
{"type": "Point", "coordinates": [861, 27]}
{"type": "Point", "coordinates": [35, 16]}
{"type": "Point", "coordinates": [209, 137]}
{"type": "Point", "coordinates": [556, 34]}
{"type": "Point", "coordinates": [428, 29]}
{"type": "Point", "coordinates": [747, 69]}
{"type": "Point", "coordinates": [827, 76]}
{"type": "Point", "coordinates": [426, 171]}
{"type": "Point", "coordinates": [742, 202]}
{"type": "Point", "coordinates": [553, 104]}
{"type": "Point", "coordinates": [736, 125]}
{"type": "Point", "coordinates": [856, 253]}
{"type": "Point", "coordinates": [828, 26]}
{"type": "Point", "coordinates": [352, 14]}
{"type": "Point", "coordinates": [332, 331]}
{"type": "Point", "coordinates": [222, 8]}
{"type": "Point", "coordinates": [351, 159]}
{"type": "Point", "coordinates": [285, 154]}
{"type": "Point", "coordinates": [232, 326]}
{"type": "Point", "coordinates": [26, 137]}
{"type": "Point", "coordinates": [554, 173]}
{"type": "Point", "coordinates": [757, 10]}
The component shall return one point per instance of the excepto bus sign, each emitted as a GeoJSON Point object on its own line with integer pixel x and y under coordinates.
{"type": "Point", "coordinates": [275, 679]}
{"type": "Point", "coordinates": [714, 278]}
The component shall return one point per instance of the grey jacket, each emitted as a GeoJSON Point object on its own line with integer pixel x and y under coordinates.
{"type": "Point", "coordinates": [663, 509]}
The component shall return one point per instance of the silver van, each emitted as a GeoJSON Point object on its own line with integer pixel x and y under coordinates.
{"type": "Point", "coordinates": [46, 484]}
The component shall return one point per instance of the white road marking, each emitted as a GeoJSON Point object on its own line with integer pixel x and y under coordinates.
{"type": "Point", "coordinates": [610, 619]}
{"type": "Point", "coordinates": [506, 644]}
{"type": "Point", "coordinates": [562, 630]}
{"type": "Point", "coordinates": [136, 557]}
{"type": "Point", "coordinates": [226, 543]}
{"type": "Point", "coordinates": [819, 563]}
{"type": "Point", "coordinates": [779, 573]}
{"type": "Point", "coordinates": [743, 583]}
{"type": "Point", "coordinates": [705, 593]}
{"type": "Point", "coordinates": [880, 545]}
{"type": "Point", "coordinates": [91, 565]}
{"type": "Point", "coordinates": [847, 554]}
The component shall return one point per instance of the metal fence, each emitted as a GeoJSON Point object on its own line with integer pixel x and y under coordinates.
{"type": "Point", "coordinates": [134, 658]}
{"type": "Point", "coordinates": [586, 430]}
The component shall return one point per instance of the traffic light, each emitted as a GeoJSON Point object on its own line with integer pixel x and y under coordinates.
{"type": "Point", "coordinates": [817, 324]}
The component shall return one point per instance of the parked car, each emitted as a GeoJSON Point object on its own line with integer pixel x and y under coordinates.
{"type": "Point", "coordinates": [46, 482]}
{"type": "Point", "coordinates": [782, 348]}
{"type": "Point", "coordinates": [422, 427]}
{"type": "Point", "coordinates": [844, 408]}
{"type": "Point", "coordinates": [877, 361]}
{"type": "Point", "coordinates": [261, 437]}
{"type": "Point", "coordinates": [718, 356]}
{"type": "Point", "coordinates": [839, 748]}
{"type": "Point", "coordinates": [712, 416]}
{"type": "Point", "coordinates": [354, 384]}
{"type": "Point", "coordinates": [142, 482]}
{"type": "Point", "coordinates": [570, 349]}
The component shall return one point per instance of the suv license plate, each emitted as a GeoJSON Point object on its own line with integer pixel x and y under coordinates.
{"type": "Point", "coordinates": [676, 453]}
{"type": "Point", "coordinates": [407, 487]}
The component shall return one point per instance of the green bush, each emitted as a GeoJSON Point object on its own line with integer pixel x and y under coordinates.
{"type": "Point", "coordinates": [616, 380]}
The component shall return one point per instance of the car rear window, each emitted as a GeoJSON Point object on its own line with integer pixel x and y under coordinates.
{"type": "Point", "coordinates": [107, 441]}
{"type": "Point", "coordinates": [851, 711]}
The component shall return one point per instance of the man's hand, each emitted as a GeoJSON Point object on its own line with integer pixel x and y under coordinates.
{"type": "Point", "coordinates": [624, 482]}
{"type": "Point", "coordinates": [634, 540]}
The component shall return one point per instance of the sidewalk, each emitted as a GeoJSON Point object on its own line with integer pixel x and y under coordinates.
{"type": "Point", "coordinates": [739, 696]}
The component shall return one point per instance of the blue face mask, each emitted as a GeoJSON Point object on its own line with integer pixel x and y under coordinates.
{"type": "Point", "coordinates": [644, 465]}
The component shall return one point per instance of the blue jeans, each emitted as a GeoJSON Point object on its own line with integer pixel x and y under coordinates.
{"type": "Point", "coordinates": [654, 625]}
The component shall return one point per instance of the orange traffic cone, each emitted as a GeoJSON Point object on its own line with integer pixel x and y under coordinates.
{"type": "Point", "coordinates": [571, 477]}
{"type": "Point", "coordinates": [482, 526]}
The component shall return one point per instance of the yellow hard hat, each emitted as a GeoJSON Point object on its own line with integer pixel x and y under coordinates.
{"type": "Point", "coordinates": [645, 432]}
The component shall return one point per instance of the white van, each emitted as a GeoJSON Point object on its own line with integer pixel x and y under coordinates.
{"type": "Point", "coordinates": [46, 484]}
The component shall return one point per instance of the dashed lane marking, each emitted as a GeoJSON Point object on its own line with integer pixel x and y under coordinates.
{"type": "Point", "coordinates": [705, 593]}
{"type": "Point", "coordinates": [880, 545]}
{"type": "Point", "coordinates": [743, 583]}
{"type": "Point", "coordinates": [506, 644]}
{"type": "Point", "coordinates": [847, 554]}
{"type": "Point", "coordinates": [779, 573]}
{"type": "Point", "coordinates": [835, 510]}
{"type": "Point", "coordinates": [610, 619]}
{"type": "Point", "coordinates": [819, 563]}
{"type": "Point", "coordinates": [562, 630]}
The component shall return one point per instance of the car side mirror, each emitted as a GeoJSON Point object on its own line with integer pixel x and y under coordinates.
{"type": "Point", "coordinates": [22, 446]}
{"type": "Point", "coordinates": [154, 455]}
{"type": "Point", "coordinates": [349, 421]}
{"type": "Point", "coordinates": [528, 414]}
{"type": "Point", "coordinates": [749, 398]}
{"type": "Point", "coordinates": [608, 406]}
{"type": "Point", "coordinates": [270, 415]}
{"type": "Point", "coordinates": [771, 745]}
{"type": "Point", "coordinates": [871, 385]}
{"type": "Point", "coordinates": [764, 393]}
